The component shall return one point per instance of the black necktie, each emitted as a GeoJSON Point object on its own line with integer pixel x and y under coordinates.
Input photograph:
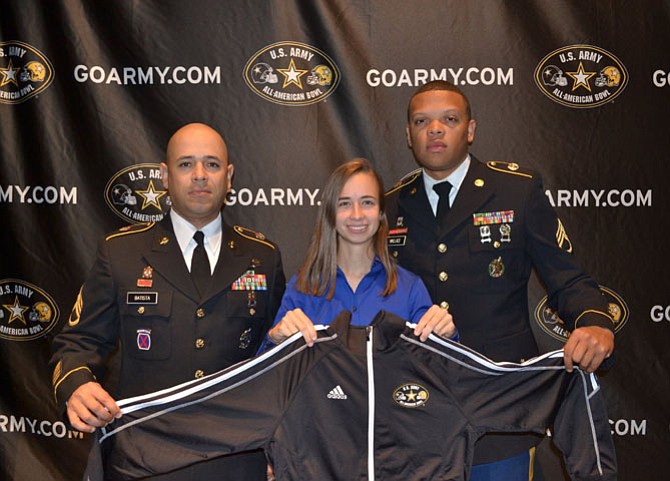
{"type": "Point", "coordinates": [442, 189]}
{"type": "Point", "coordinates": [200, 271]}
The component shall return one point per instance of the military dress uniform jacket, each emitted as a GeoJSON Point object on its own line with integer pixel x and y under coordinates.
{"type": "Point", "coordinates": [140, 296]}
{"type": "Point", "coordinates": [478, 264]}
{"type": "Point", "coordinates": [364, 403]}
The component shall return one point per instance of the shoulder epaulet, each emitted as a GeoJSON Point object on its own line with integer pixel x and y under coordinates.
{"type": "Point", "coordinates": [406, 179]}
{"type": "Point", "coordinates": [508, 168]}
{"type": "Point", "coordinates": [253, 235]}
{"type": "Point", "coordinates": [130, 229]}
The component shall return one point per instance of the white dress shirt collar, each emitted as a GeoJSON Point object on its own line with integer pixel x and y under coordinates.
{"type": "Point", "coordinates": [455, 179]}
{"type": "Point", "coordinates": [184, 231]}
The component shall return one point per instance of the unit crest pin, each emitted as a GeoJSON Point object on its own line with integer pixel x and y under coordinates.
{"type": "Point", "coordinates": [496, 268]}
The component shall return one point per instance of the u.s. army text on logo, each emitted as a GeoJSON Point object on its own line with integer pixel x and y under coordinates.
{"type": "Point", "coordinates": [26, 311]}
{"type": "Point", "coordinates": [291, 73]}
{"type": "Point", "coordinates": [24, 72]}
{"type": "Point", "coordinates": [136, 194]}
{"type": "Point", "coordinates": [581, 76]}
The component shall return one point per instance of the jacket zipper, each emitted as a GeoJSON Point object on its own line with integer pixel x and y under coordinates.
{"type": "Point", "coordinates": [371, 406]}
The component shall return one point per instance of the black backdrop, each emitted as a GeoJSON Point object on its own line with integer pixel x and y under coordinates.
{"type": "Point", "coordinates": [90, 92]}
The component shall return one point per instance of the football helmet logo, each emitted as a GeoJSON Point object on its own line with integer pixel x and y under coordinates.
{"type": "Point", "coordinates": [123, 195]}
{"type": "Point", "coordinates": [41, 312]}
{"type": "Point", "coordinates": [320, 75]}
{"type": "Point", "coordinates": [262, 73]}
{"type": "Point", "coordinates": [553, 76]}
{"type": "Point", "coordinates": [608, 77]}
{"type": "Point", "coordinates": [33, 72]}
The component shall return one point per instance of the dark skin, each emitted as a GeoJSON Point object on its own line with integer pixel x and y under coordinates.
{"type": "Point", "coordinates": [439, 132]}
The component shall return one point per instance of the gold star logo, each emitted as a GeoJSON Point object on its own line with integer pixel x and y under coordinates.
{"type": "Point", "coordinates": [292, 75]}
{"type": "Point", "coordinates": [151, 196]}
{"type": "Point", "coordinates": [581, 78]}
{"type": "Point", "coordinates": [9, 75]}
{"type": "Point", "coordinates": [16, 311]}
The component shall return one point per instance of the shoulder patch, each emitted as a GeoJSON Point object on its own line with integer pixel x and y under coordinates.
{"type": "Point", "coordinates": [405, 180]}
{"type": "Point", "coordinates": [252, 235]}
{"type": "Point", "coordinates": [130, 229]}
{"type": "Point", "coordinates": [508, 168]}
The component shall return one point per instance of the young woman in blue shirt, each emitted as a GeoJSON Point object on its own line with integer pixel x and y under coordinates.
{"type": "Point", "coordinates": [348, 266]}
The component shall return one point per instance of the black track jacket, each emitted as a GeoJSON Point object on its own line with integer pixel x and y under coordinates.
{"type": "Point", "coordinates": [363, 403]}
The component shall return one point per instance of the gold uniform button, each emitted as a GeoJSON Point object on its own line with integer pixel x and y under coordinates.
{"type": "Point", "coordinates": [496, 244]}
{"type": "Point", "coordinates": [140, 310]}
{"type": "Point", "coordinates": [443, 276]}
{"type": "Point", "coordinates": [442, 248]}
{"type": "Point", "coordinates": [199, 373]}
{"type": "Point", "coordinates": [444, 305]}
{"type": "Point", "coordinates": [200, 343]}
{"type": "Point", "coordinates": [395, 253]}
{"type": "Point", "coordinates": [200, 312]}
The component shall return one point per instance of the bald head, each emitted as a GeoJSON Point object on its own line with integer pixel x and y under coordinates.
{"type": "Point", "coordinates": [194, 136]}
{"type": "Point", "coordinates": [196, 173]}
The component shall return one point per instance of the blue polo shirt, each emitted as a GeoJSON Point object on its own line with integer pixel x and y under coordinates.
{"type": "Point", "coordinates": [410, 300]}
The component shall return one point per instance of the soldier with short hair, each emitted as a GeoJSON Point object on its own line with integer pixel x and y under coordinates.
{"type": "Point", "coordinates": [180, 299]}
{"type": "Point", "coordinates": [473, 231]}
